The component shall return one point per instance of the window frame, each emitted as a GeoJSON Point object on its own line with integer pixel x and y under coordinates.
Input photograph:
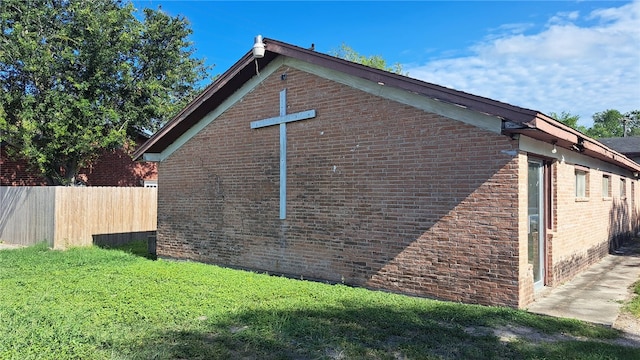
{"type": "Point", "coordinates": [584, 172]}
{"type": "Point", "coordinates": [606, 186]}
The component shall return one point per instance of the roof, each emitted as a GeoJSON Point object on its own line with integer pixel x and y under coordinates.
{"type": "Point", "coordinates": [629, 146]}
{"type": "Point", "coordinates": [516, 120]}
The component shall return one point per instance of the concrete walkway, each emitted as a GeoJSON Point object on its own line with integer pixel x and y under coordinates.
{"type": "Point", "coordinates": [598, 294]}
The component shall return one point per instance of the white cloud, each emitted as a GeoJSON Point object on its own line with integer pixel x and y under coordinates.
{"type": "Point", "coordinates": [565, 67]}
{"type": "Point", "coordinates": [564, 17]}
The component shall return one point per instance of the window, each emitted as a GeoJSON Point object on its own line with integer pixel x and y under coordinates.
{"type": "Point", "coordinates": [623, 188]}
{"type": "Point", "coordinates": [606, 186]}
{"type": "Point", "coordinates": [581, 184]}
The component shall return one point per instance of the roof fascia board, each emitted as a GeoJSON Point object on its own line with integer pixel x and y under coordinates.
{"type": "Point", "coordinates": [564, 132]}
{"type": "Point", "coordinates": [542, 148]}
{"type": "Point", "coordinates": [153, 157]}
{"type": "Point", "coordinates": [459, 113]}
{"type": "Point", "coordinates": [555, 131]}
{"type": "Point", "coordinates": [443, 94]}
{"type": "Point", "coordinates": [611, 154]}
{"type": "Point", "coordinates": [215, 113]}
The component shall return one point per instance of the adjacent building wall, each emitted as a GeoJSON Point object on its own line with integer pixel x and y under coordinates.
{"type": "Point", "coordinates": [588, 228]}
{"type": "Point", "coordinates": [112, 168]}
{"type": "Point", "coordinates": [116, 168]}
{"type": "Point", "coordinates": [16, 172]}
{"type": "Point", "coordinates": [583, 229]}
{"type": "Point", "coordinates": [380, 194]}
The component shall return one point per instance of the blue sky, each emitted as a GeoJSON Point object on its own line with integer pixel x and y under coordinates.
{"type": "Point", "coordinates": [581, 57]}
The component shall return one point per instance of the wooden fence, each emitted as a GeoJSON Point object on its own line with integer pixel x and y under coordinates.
{"type": "Point", "coordinates": [76, 216]}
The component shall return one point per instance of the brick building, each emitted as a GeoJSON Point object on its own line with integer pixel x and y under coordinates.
{"type": "Point", "coordinates": [303, 164]}
{"type": "Point", "coordinates": [112, 168]}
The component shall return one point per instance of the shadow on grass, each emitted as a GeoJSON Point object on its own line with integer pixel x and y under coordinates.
{"type": "Point", "coordinates": [353, 331]}
{"type": "Point", "coordinates": [137, 247]}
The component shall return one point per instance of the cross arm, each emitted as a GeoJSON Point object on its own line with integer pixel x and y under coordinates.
{"type": "Point", "coordinates": [283, 119]}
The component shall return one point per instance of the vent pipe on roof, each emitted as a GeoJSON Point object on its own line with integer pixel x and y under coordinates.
{"type": "Point", "coordinates": [258, 47]}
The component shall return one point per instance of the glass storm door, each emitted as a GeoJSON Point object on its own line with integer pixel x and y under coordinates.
{"type": "Point", "coordinates": [536, 221]}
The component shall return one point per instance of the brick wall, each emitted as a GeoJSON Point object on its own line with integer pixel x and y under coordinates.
{"type": "Point", "coordinates": [588, 228]}
{"type": "Point", "coordinates": [113, 168]}
{"type": "Point", "coordinates": [582, 230]}
{"type": "Point", "coordinates": [525, 278]}
{"type": "Point", "coordinates": [16, 172]}
{"type": "Point", "coordinates": [380, 195]}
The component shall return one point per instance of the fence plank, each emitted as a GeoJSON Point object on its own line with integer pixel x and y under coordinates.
{"type": "Point", "coordinates": [76, 216]}
{"type": "Point", "coordinates": [26, 215]}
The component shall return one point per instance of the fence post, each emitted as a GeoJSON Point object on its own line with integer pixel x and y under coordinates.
{"type": "Point", "coordinates": [151, 245]}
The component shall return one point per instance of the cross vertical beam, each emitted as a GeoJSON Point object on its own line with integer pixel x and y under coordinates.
{"type": "Point", "coordinates": [282, 120]}
{"type": "Point", "coordinates": [283, 156]}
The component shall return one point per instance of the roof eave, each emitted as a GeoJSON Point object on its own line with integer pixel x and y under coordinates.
{"type": "Point", "coordinates": [546, 129]}
{"type": "Point", "coordinates": [433, 91]}
{"type": "Point", "coordinates": [527, 121]}
{"type": "Point", "coordinates": [187, 117]}
{"type": "Point", "coordinates": [243, 70]}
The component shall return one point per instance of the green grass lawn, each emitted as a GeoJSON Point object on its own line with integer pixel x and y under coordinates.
{"type": "Point", "coordinates": [94, 303]}
{"type": "Point", "coordinates": [634, 304]}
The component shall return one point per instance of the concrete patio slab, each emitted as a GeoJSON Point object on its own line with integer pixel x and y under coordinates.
{"type": "Point", "coordinates": [598, 294]}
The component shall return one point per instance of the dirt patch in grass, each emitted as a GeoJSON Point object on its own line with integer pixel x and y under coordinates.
{"type": "Point", "coordinates": [630, 327]}
{"type": "Point", "coordinates": [512, 333]}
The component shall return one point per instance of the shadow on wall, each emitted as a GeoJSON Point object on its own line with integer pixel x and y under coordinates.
{"type": "Point", "coordinates": [119, 239]}
{"type": "Point", "coordinates": [635, 219]}
{"type": "Point", "coordinates": [140, 243]}
{"type": "Point", "coordinates": [404, 229]}
{"type": "Point", "coordinates": [621, 225]}
{"type": "Point", "coordinates": [16, 172]}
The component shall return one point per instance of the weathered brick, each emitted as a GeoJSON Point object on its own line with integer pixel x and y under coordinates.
{"type": "Point", "coordinates": [380, 195]}
{"type": "Point", "coordinates": [112, 168]}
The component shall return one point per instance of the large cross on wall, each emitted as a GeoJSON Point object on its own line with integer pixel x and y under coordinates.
{"type": "Point", "coordinates": [282, 120]}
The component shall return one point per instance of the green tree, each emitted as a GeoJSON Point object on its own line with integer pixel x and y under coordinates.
{"type": "Point", "coordinates": [77, 77]}
{"type": "Point", "coordinates": [569, 120]}
{"type": "Point", "coordinates": [375, 61]}
{"type": "Point", "coordinates": [632, 122]}
{"type": "Point", "coordinates": [612, 123]}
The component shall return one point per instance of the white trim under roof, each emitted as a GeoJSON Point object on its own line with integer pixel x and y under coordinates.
{"type": "Point", "coordinates": [455, 112]}
{"type": "Point", "coordinates": [215, 113]}
{"type": "Point", "coordinates": [421, 102]}
{"type": "Point", "coordinates": [538, 147]}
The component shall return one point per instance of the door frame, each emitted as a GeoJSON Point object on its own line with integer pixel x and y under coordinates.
{"type": "Point", "coordinates": [543, 218]}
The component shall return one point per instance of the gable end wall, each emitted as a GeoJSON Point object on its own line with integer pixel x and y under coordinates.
{"type": "Point", "coordinates": [380, 194]}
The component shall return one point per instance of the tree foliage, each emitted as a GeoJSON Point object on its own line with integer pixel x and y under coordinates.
{"type": "Point", "coordinates": [375, 61]}
{"type": "Point", "coordinates": [612, 123]}
{"type": "Point", "coordinates": [569, 120]}
{"type": "Point", "coordinates": [608, 123]}
{"type": "Point", "coordinates": [81, 76]}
